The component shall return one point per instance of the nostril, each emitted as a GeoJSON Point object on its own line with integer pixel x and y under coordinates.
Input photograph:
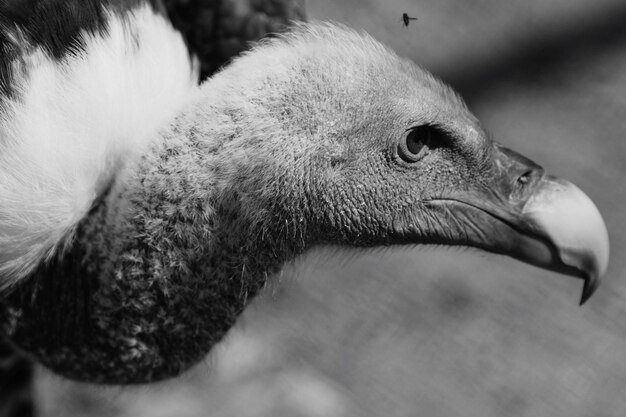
{"type": "Point", "coordinates": [524, 178]}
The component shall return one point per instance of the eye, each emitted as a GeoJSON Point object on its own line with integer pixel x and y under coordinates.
{"type": "Point", "coordinates": [417, 142]}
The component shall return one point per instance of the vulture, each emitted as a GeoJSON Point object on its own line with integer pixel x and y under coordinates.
{"type": "Point", "coordinates": [140, 212]}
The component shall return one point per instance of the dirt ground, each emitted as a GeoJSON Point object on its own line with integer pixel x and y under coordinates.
{"type": "Point", "coordinates": [435, 331]}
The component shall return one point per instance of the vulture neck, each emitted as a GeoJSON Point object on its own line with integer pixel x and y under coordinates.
{"type": "Point", "coordinates": [157, 272]}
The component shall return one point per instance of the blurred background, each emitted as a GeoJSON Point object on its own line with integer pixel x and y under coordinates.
{"type": "Point", "coordinates": [436, 331]}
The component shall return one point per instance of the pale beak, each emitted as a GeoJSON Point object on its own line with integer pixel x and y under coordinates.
{"type": "Point", "coordinates": [562, 213]}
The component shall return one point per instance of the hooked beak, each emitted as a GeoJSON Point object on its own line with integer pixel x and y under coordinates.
{"type": "Point", "coordinates": [539, 219]}
{"type": "Point", "coordinates": [569, 220]}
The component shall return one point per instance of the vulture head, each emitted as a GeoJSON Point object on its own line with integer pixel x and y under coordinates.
{"type": "Point", "coordinates": [321, 136]}
{"type": "Point", "coordinates": [346, 143]}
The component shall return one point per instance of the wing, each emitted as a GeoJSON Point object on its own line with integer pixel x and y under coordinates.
{"type": "Point", "coordinates": [85, 86]}
{"type": "Point", "coordinates": [217, 31]}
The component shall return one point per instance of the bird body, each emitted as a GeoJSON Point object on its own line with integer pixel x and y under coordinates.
{"type": "Point", "coordinates": [165, 231]}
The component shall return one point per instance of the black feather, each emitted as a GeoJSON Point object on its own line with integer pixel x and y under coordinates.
{"type": "Point", "coordinates": [54, 26]}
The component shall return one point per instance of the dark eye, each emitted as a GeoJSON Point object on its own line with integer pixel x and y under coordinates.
{"type": "Point", "coordinates": [417, 142]}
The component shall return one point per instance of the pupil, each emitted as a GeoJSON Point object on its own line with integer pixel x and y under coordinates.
{"type": "Point", "coordinates": [413, 143]}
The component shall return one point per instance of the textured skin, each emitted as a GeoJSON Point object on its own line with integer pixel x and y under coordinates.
{"type": "Point", "coordinates": [262, 166]}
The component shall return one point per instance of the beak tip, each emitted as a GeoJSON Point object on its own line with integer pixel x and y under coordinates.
{"type": "Point", "coordinates": [589, 287]}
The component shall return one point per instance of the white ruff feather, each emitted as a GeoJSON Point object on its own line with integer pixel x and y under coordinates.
{"type": "Point", "coordinates": [73, 124]}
